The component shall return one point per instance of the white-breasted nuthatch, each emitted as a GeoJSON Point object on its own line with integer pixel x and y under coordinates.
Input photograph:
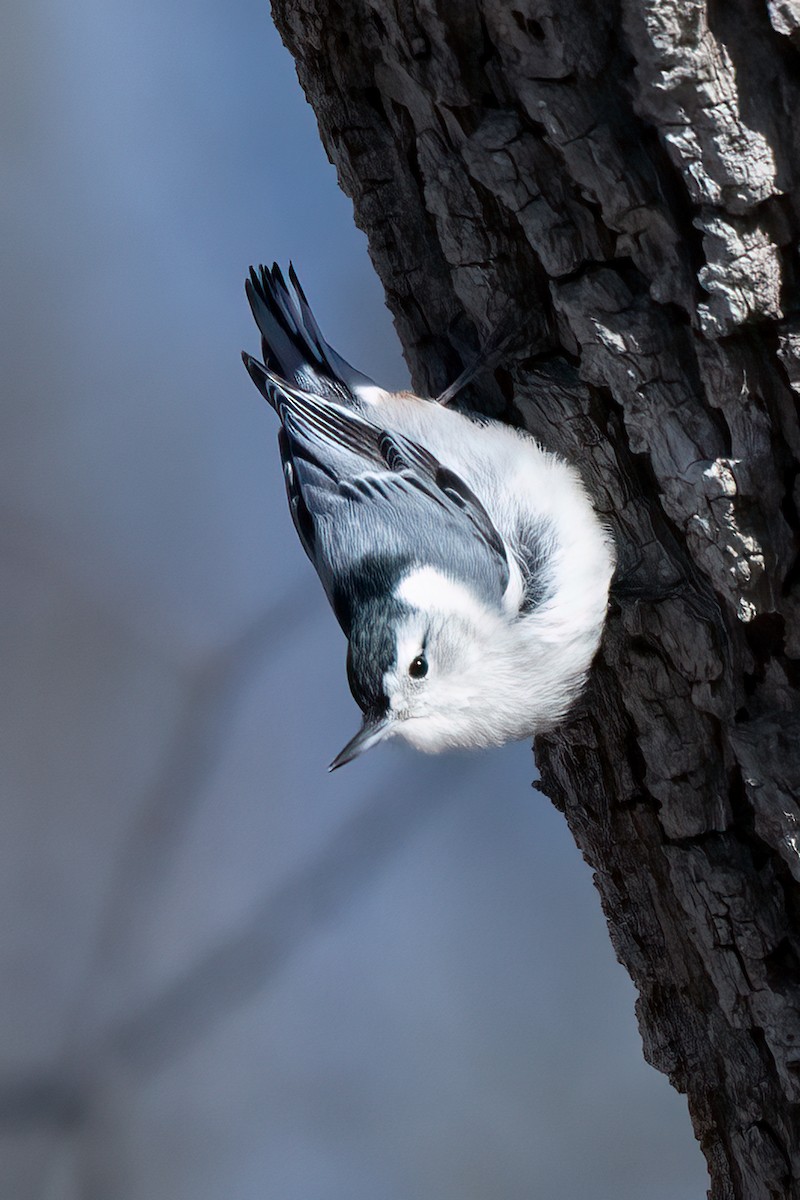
{"type": "Point", "coordinates": [464, 563]}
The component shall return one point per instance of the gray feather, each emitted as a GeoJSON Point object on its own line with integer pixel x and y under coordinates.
{"type": "Point", "coordinates": [357, 492]}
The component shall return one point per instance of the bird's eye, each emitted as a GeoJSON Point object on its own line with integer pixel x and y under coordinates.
{"type": "Point", "coordinates": [418, 667]}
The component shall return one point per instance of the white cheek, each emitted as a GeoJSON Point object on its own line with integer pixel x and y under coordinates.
{"type": "Point", "coordinates": [429, 590]}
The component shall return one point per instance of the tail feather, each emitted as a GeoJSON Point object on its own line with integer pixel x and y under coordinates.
{"type": "Point", "coordinates": [339, 366]}
{"type": "Point", "coordinates": [292, 343]}
{"type": "Point", "coordinates": [281, 348]}
{"type": "Point", "coordinates": [258, 373]}
{"type": "Point", "coordinates": [276, 391]}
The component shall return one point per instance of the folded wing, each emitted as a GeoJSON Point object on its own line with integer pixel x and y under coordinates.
{"type": "Point", "coordinates": [369, 504]}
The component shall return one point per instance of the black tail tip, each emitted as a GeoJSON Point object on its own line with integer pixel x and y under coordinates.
{"type": "Point", "coordinates": [258, 373]}
{"type": "Point", "coordinates": [252, 367]}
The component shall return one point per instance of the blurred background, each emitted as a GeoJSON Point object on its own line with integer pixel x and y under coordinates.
{"type": "Point", "coordinates": [224, 972]}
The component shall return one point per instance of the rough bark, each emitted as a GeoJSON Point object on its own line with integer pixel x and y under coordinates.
{"type": "Point", "coordinates": [622, 179]}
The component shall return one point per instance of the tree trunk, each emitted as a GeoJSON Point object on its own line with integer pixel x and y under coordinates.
{"type": "Point", "coordinates": [621, 181]}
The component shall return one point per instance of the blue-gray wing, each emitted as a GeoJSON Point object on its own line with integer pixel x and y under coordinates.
{"type": "Point", "coordinates": [368, 503]}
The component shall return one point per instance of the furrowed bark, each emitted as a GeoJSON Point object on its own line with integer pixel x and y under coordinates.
{"type": "Point", "coordinates": [622, 182]}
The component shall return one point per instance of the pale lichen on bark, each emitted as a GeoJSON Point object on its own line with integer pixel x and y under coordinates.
{"type": "Point", "coordinates": [623, 181]}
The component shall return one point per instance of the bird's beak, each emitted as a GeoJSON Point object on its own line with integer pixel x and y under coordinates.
{"type": "Point", "coordinates": [374, 730]}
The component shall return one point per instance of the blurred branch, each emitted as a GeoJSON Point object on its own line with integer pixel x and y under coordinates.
{"type": "Point", "coordinates": [240, 966]}
{"type": "Point", "coordinates": [42, 1102]}
{"type": "Point", "coordinates": [166, 811]}
{"type": "Point", "coordinates": [279, 924]}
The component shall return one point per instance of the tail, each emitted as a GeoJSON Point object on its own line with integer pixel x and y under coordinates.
{"type": "Point", "coordinates": [276, 390]}
{"type": "Point", "coordinates": [267, 383]}
{"type": "Point", "coordinates": [292, 344]}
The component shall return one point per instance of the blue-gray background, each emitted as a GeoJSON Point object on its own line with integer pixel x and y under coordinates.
{"type": "Point", "coordinates": [225, 973]}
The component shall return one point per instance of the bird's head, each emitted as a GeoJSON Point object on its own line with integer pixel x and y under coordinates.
{"type": "Point", "coordinates": [423, 665]}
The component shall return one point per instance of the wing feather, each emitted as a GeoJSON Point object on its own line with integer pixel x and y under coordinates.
{"type": "Point", "coordinates": [362, 494]}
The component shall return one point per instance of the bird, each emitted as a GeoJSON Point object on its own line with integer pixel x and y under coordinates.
{"type": "Point", "coordinates": [465, 563]}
